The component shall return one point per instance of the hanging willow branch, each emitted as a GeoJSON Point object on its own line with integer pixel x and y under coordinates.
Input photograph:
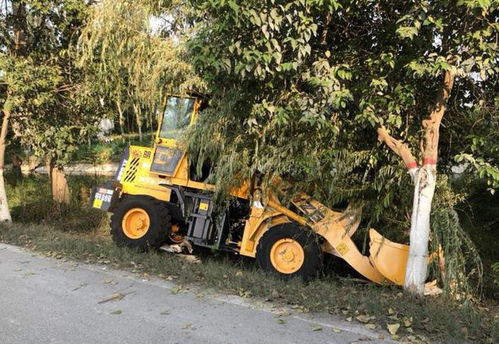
{"type": "Point", "coordinates": [133, 64]}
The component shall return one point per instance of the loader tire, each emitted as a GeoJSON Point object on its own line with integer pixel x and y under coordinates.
{"type": "Point", "coordinates": [140, 222]}
{"type": "Point", "coordinates": [289, 250]}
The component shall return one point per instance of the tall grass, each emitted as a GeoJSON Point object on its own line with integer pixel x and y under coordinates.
{"type": "Point", "coordinates": [30, 202]}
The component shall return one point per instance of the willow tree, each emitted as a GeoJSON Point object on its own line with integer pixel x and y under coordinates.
{"type": "Point", "coordinates": [303, 89]}
{"type": "Point", "coordinates": [133, 62]}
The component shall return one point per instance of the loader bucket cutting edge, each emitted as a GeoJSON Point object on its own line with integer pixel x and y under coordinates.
{"type": "Point", "coordinates": [386, 263]}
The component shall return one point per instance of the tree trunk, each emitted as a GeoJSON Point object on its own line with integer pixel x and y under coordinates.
{"type": "Point", "coordinates": [17, 174]}
{"type": "Point", "coordinates": [424, 189]}
{"type": "Point", "coordinates": [121, 121]}
{"type": "Point", "coordinates": [139, 121]}
{"type": "Point", "coordinates": [60, 187]}
{"type": "Point", "coordinates": [149, 120]}
{"type": "Point", "coordinates": [425, 179]}
{"type": "Point", "coordinates": [417, 262]}
{"type": "Point", "coordinates": [140, 132]}
{"type": "Point", "coordinates": [17, 48]}
{"type": "Point", "coordinates": [4, 206]}
{"type": "Point", "coordinates": [19, 26]}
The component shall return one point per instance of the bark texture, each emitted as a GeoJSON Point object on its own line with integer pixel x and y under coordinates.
{"type": "Point", "coordinates": [60, 187]}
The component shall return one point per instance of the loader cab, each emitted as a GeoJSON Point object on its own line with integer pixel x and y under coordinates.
{"type": "Point", "coordinates": [179, 113]}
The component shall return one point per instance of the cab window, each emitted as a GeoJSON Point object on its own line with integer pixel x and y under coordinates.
{"type": "Point", "coordinates": [176, 117]}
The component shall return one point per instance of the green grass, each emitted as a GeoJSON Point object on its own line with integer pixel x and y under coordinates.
{"type": "Point", "coordinates": [80, 233]}
{"type": "Point", "coordinates": [30, 202]}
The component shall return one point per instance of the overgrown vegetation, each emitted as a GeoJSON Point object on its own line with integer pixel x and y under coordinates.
{"type": "Point", "coordinates": [93, 151]}
{"type": "Point", "coordinates": [99, 152]}
{"type": "Point", "coordinates": [51, 109]}
{"type": "Point", "coordinates": [304, 89]}
{"type": "Point", "coordinates": [479, 215]}
{"type": "Point", "coordinates": [30, 203]}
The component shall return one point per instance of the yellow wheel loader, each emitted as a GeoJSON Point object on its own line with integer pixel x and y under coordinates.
{"type": "Point", "coordinates": [155, 199]}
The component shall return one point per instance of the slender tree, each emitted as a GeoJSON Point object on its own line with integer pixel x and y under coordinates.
{"type": "Point", "coordinates": [14, 46]}
{"type": "Point", "coordinates": [425, 179]}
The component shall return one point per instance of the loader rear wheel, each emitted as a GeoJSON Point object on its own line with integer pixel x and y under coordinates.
{"type": "Point", "coordinates": [289, 250]}
{"type": "Point", "coordinates": [140, 222]}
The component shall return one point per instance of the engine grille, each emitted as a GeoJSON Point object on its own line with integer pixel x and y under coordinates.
{"type": "Point", "coordinates": [131, 171]}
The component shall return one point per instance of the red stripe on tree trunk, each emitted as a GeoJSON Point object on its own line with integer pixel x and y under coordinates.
{"type": "Point", "coordinates": [411, 165]}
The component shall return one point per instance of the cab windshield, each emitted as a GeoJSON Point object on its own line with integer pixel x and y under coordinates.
{"type": "Point", "coordinates": [176, 117]}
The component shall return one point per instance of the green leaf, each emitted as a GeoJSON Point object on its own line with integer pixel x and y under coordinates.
{"type": "Point", "coordinates": [407, 32]}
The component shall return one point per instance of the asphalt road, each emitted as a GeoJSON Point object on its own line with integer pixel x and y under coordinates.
{"type": "Point", "coordinates": [45, 300]}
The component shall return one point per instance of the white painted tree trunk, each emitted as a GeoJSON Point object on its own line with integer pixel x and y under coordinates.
{"type": "Point", "coordinates": [4, 206]}
{"type": "Point", "coordinates": [417, 262]}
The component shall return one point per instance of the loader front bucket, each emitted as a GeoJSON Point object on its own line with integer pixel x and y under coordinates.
{"type": "Point", "coordinates": [334, 230]}
{"type": "Point", "coordinates": [387, 261]}
{"type": "Point", "coordinates": [389, 258]}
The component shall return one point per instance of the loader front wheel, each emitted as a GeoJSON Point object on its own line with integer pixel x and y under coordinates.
{"type": "Point", "coordinates": [289, 250]}
{"type": "Point", "coordinates": [140, 222]}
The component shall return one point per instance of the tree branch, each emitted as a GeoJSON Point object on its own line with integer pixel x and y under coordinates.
{"type": "Point", "coordinates": [326, 28]}
{"type": "Point", "coordinates": [432, 124]}
{"type": "Point", "coordinates": [3, 135]}
{"type": "Point", "coordinates": [400, 148]}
